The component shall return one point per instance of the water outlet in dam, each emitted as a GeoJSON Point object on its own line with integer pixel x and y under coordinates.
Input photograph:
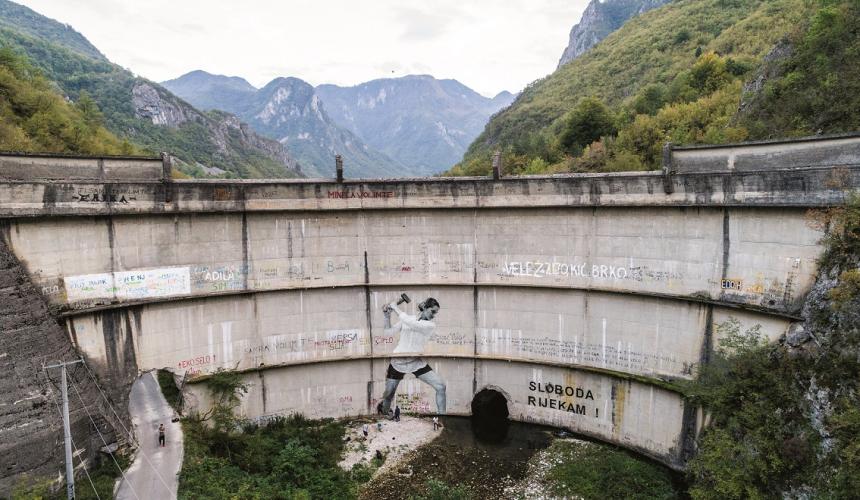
{"type": "Point", "coordinates": [490, 416]}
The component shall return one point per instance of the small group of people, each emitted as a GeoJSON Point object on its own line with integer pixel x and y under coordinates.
{"type": "Point", "coordinates": [394, 414]}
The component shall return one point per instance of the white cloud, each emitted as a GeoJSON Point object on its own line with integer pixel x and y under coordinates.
{"type": "Point", "coordinates": [489, 45]}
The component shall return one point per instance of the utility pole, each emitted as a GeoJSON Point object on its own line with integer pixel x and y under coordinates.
{"type": "Point", "coordinates": [67, 430]}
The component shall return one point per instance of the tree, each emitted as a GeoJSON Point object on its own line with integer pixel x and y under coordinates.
{"type": "Point", "coordinates": [93, 117]}
{"type": "Point", "coordinates": [588, 122]}
{"type": "Point", "coordinates": [709, 73]}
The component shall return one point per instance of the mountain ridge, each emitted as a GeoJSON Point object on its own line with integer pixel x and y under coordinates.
{"type": "Point", "coordinates": [139, 110]}
{"type": "Point", "coordinates": [420, 123]}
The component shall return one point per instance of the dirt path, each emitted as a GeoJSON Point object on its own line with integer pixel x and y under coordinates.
{"type": "Point", "coordinates": [394, 441]}
{"type": "Point", "coordinates": [154, 473]}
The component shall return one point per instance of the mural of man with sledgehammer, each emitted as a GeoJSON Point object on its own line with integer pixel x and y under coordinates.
{"type": "Point", "coordinates": [414, 332]}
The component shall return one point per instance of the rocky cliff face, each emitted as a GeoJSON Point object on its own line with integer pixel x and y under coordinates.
{"type": "Point", "coordinates": [226, 132]}
{"type": "Point", "coordinates": [415, 125]}
{"type": "Point", "coordinates": [290, 111]}
{"type": "Point", "coordinates": [31, 426]}
{"type": "Point", "coordinates": [230, 126]}
{"type": "Point", "coordinates": [422, 122]}
{"type": "Point", "coordinates": [159, 108]}
{"type": "Point", "coordinates": [599, 20]}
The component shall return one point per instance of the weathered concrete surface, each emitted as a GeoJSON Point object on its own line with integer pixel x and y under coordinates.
{"type": "Point", "coordinates": [154, 473]}
{"type": "Point", "coordinates": [821, 186]}
{"type": "Point", "coordinates": [636, 335]}
{"type": "Point", "coordinates": [613, 284]}
{"type": "Point", "coordinates": [639, 416]}
{"type": "Point", "coordinates": [826, 151]}
{"type": "Point", "coordinates": [31, 429]}
{"type": "Point", "coordinates": [66, 169]}
{"type": "Point", "coordinates": [751, 256]}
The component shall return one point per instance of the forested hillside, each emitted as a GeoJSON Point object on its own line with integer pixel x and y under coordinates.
{"type": "Point", "coordinates": [34, 117]}
{"type": "Point", "coordinates": [137, 110]}
{"type": "Point", "coordinates": [681, 73]}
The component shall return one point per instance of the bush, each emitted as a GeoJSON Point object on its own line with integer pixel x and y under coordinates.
{"type": "Point", "coordinates": [588, 122]}
{"type": "Point", "coordinates": [285, 458]}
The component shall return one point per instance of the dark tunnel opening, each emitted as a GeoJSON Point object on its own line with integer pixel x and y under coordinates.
{"type": "Point", "coordinates": [490, 416]}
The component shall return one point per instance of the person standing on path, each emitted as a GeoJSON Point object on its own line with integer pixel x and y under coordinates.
{"type": "Point", "coordinates": [436, 423]}
{"type": "Point", "coordinates": [161, 435]}
{"type": "Point", "coordinates": [397, 413]}
{"type": "Point", "coordinates": [365, 430]}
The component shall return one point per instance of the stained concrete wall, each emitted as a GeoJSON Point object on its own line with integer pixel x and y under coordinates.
{"type": "Point", "coordinates": [635, 335]}
{"type": "Point", "coordinates": [612, 284]}
{"type": "Point", "coordinates": [759, 257]}
{"type": "Point", "coordinates": [31, 430]}
{"type": "Point", "coordinates": [636, 415]}
{"type": "Point", "coordinates": [826, 151]}
{"type": "Point", "coordinates": [67, 169]}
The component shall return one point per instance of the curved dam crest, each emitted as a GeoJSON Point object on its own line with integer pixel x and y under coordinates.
{"type": "Point", "coordinates": [581, 298]}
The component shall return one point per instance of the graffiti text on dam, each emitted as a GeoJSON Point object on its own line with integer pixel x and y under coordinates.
{"type": "Point", "coordinates": [540, 269]}
{"type": "Point", "coordinates": [549, 396]}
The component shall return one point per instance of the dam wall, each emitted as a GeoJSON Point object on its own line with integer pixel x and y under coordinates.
{"type": "Point", "coordinates": [582, 298]}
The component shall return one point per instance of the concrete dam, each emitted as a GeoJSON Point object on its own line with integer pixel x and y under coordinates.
{"type": "Point", "coordinates": [581, 298]}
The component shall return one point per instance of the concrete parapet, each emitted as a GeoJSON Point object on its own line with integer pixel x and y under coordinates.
{"type": "Point", "coordinates": [812, 187]}
{"type": "Point", "coordinates": [823, 151]}
{"type": "Point", "coordinates": [22, 167]}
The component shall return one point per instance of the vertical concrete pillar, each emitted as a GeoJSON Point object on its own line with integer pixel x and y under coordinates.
{"type": "Point", "coordinates": [497, 165]}
{"type": "Point", "coordinates": [338, 165]}
{"type": "Point", "coordinates": [166, 174]}
{"type": "Point", "coordinates": [667, 168]}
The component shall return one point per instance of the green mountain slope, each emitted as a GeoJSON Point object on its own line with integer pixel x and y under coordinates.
{"type": "Point", "coordinates": [811, 84]}
{"type": "Point", "coordinates": [686, 60]}
{"type": "Point", "coordinates": [34, 117]}
{"type": "Point", "coordinates": [139, 110]}
{"type": "Point", "coordinates": [26, 21]}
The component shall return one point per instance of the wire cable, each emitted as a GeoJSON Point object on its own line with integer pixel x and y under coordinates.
{"type": "Point", "coordinates": [134, 438]}
{"type": "Point", "coordinates": [87, 410]}
{"type": "Point", "coordinates": [60, 413]}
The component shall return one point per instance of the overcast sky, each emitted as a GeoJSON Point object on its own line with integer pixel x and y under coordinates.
{"type": "Point", "coordinates": [488, 45]}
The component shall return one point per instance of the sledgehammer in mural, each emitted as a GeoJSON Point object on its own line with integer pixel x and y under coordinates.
{"type": "Point", "coordinates": [414, 332]}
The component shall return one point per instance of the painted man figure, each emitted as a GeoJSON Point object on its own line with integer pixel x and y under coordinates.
{"type": "Point", "coordinates": [414, 332]}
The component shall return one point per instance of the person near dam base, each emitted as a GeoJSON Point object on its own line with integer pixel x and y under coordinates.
{"type": "Point", "coordinates": [414, 333]}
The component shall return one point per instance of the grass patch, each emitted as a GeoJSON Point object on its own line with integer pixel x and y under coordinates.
{"type": "Point", "coordinates": [103, 475]}
{"type": "Point", "coordinates": [591, 470]}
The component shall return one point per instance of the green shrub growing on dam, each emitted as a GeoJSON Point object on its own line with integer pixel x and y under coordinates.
{"type": "Point", "coordinates": [784, 417]}
{"type": "Point", "coordinates": [169, 389]}
{"type": "Point", "coordinates": [285, 458]}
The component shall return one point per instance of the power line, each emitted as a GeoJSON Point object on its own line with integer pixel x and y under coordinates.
{"type": "Point", "coordinates": [83, 463]}
{"type": "Point", "coordinates": [118, 419]}
{"type": "Point", "coordinates": [140, 448]}
{"type": "Point", "coordinates": [107, 448]}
